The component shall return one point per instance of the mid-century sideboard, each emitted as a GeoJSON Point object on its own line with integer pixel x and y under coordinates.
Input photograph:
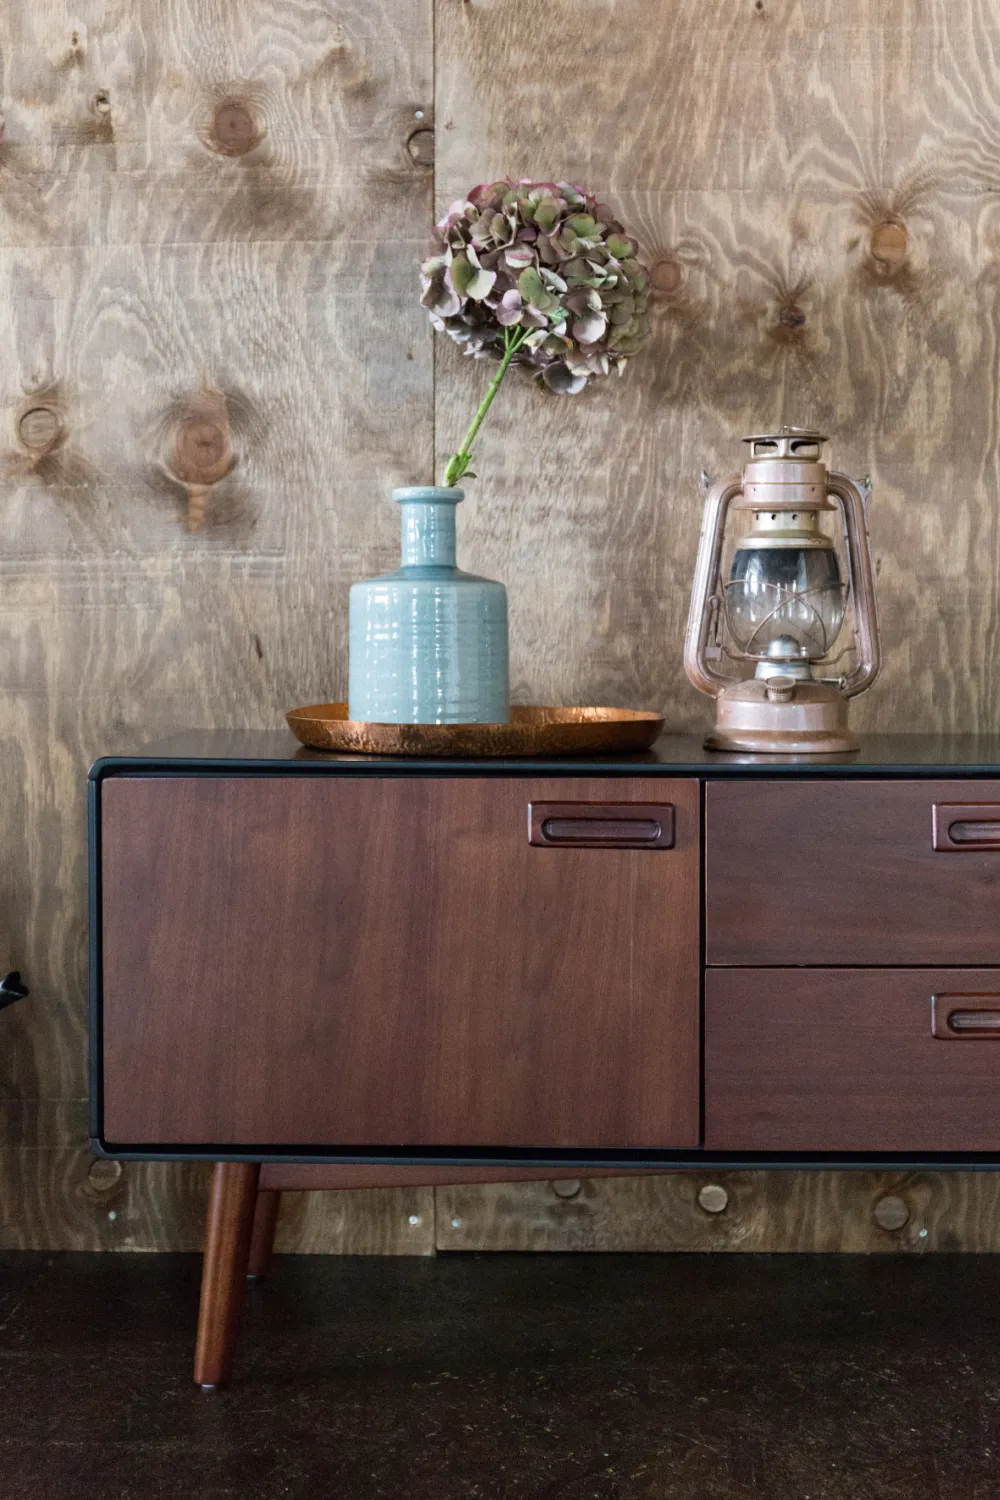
{"type": "Point", "coordinates": [446, 971]}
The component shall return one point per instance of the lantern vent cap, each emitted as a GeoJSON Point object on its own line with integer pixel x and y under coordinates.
{"type": "Point", "coordinates": [800, 444]}
{"type": "Point", "coordinates": [785, 471]}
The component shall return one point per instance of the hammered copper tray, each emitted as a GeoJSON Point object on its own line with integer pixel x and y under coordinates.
{"type": "Point", "coordinates": [531, 731]}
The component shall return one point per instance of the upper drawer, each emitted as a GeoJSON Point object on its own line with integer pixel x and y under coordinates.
{"type": "Point", "coordinates": [853, 872]}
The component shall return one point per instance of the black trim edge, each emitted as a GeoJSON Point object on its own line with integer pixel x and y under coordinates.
{"type": "Point", "coordinates": [94, 961]}
{"type": "Point", "coordinates": [689, 1160]}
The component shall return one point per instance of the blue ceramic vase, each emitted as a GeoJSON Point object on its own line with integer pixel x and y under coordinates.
{"type": "Point", "coordinates": [428, 643]}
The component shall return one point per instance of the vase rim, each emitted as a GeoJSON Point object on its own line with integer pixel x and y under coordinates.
{"type": "Point", "coordinates": [428, 494]}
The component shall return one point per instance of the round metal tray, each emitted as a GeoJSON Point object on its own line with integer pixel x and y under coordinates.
{"type": "Point", "coordinates": [531, 731]}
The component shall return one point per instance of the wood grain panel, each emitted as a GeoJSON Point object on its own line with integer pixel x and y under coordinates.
{"type": "Point", "coordinates": [381, 1221]}
{"type": "Point", "coordinates": [812, 184]}
{"type": "Point", "coordinates": [815, 1211]}
{"type": "Point", "coordinates": [211, 123]}
{"type": "Point", "coordinates": [817, 187]}
{"type": "Point", "coordinates": [272, 946]}
{"type": "Point", "coordinates": [845, 873]}
{"type": "Point", "coordinates": [846, 1060]}
{"type": "Point", "coordinates": [146, 274]}
{"type": "Point", "coordinates": [60, 1197]}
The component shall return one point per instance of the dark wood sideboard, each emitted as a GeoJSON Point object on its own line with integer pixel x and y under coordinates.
{"type": "Point", "coordinates": [330, 971]}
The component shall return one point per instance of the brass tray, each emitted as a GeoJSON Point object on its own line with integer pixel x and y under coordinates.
{"type": "Point", "coordinates": [531, 731]}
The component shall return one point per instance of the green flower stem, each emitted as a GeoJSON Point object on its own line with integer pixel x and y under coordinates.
{"type": "Point", "coordinates": [458, 464]}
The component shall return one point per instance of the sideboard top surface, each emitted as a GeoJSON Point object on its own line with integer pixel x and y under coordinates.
{"type": "Point", "coordinates": [270, 751]}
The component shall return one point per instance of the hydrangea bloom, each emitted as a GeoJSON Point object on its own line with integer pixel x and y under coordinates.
{"type": "Point", "coordinates": [537, 274]}
{"type": "Point", "coordinates": [544, 258]}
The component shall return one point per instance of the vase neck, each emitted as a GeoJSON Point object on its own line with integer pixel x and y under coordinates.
{"type": "Point", "coordinates": [428, 533]}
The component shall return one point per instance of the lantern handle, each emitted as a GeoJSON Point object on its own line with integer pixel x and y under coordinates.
{"type": "Point", "coordinates": [700, 672]}
{"type": "Point", "coordinates": [854, 511]}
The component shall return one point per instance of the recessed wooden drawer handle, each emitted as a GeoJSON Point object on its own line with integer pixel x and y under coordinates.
{"type": "Point", "coordinates": [961, 827]}
{"type": "Point", "coordinates": [974, 833]}
{"type": "Point", "coordinates": [601, 825]}
{"type": "Point", "coordinates": [956, 1016]}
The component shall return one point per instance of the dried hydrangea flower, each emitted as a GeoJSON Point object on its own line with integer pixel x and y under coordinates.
{"type": "Point", "coordinates": [537, 274]}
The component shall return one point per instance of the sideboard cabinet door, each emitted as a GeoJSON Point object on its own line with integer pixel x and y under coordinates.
{"type": "Point", "coordinates": [337, 960]}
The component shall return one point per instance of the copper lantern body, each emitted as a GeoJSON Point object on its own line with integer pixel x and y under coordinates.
{"type": "Point", "coordinates": [764, 642]}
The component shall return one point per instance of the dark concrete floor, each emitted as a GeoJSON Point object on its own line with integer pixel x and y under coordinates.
{"type": "Point", "coordinates": [563, 1377]}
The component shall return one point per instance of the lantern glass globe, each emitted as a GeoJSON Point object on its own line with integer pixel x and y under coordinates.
{"type": "Point", "coordinates": [788, 594]}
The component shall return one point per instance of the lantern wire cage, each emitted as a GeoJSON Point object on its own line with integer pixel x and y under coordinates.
{"type": "Point", "coordinates": [786, 598]}
{"type": "Point", "coordinates": [723, 640]}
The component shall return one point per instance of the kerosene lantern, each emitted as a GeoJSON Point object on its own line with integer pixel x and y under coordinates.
{"type": "Point", "coordinates": [761, 641]}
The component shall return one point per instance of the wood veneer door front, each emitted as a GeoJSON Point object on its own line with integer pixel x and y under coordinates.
{"type": "Point", "coordinates": [852, 1060]}
{"type": "Point", "coordinates": [852, 872]}
{"type": "Point", "coordinates": [337, 960]}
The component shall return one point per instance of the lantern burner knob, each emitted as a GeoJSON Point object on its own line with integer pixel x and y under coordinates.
{"type": "Point", "coordinates": [780, 689]}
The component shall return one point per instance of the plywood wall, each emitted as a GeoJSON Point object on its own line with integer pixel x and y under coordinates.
{"type": "Point", "coordinates": [213, 371]}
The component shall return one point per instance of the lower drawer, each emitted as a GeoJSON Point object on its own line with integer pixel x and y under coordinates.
{"type": "Point", "coordinates": [851, 1060]}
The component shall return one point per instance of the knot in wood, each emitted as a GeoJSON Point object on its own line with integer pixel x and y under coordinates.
{"type": "Point", "coordinates": [201, 451]}
{"type": "Point", "coordinates": [889, 244]}
{"type": "Point", "coordinates": [101, 103]}
{"type": "Point", "coordinates": [791, 316]}
{"type": "Point", "coordinates": [713, 1198]}
{"type": "Point", "coordinates": [666, 276]}
{"type": "Point", "coordinates": [104, 1176]}
{"type": "Point", "coordinates": [891, 1213]}
{"type": "Point", "coordinates": [233, 131]}
{"type": "Point", "coordinates": [420, 147]}
{"type": "Point", "coordinates": [39, 428]}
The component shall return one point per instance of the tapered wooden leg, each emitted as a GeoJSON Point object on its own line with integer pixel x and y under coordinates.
{"type": "Point", "coordinates": [265, 1222]}
{"type": "Point", "coordinates": [227, 1254]}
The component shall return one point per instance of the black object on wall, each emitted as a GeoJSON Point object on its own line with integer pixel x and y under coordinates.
{"type": "Point", "coordinates": [11, 989]}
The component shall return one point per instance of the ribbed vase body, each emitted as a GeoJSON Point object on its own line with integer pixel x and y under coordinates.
{"type": "Point", "coordinates": [428, 642]}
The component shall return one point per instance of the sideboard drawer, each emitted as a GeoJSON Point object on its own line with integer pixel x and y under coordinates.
{"type": "Point", "coordinates": [327, 961]}
{"type": "Point", "coordinates": [852, 1060]}
{"type": "Point", "coordinates": [853, 872]}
